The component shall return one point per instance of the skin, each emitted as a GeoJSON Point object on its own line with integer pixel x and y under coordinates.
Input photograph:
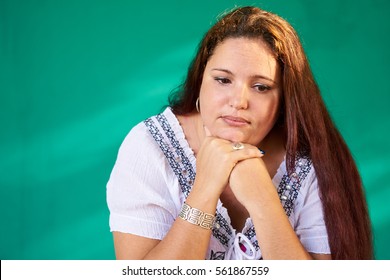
{"type": "Point", "coordinates": [240, 93]}
{"type": "Point", "coordinates": [239, 102]}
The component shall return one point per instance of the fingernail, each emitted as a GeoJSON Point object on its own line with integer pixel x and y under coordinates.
{"type": "Point", "coordinates": [261, 151]}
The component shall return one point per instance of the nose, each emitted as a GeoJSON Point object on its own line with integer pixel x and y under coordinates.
{"type": "Point", "coordinates": [239, 98]}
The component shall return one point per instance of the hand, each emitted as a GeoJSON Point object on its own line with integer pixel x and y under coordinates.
{"type": "Point", "coordinates": [215, 161]}
{"type": "Point", "coordinates": [250, 181]}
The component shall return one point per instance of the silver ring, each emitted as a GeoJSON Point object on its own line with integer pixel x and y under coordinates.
{"type": "Point", "coordinates": [237, 146]}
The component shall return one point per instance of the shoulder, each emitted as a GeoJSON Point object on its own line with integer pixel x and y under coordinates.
{"type": "Point", "coordinates": [141, 171]}
{"type": "Point", "coordinates": [144, 139]}
{"type": "Point", "coordinates": [142, 157]}
{"type": "Point", "coordinates": [137, 141]}
{"type": "Point", "coordinates": [309, 215]}
{"type": "Point", "coordinates": [138, 157]}
{"type": "Point", "coordinates": [300, 177]}
{"type": "Point", "coordinates": [299, 191]}
{"type": "Point", "coordinates": [293, 186]}
{"type": "Point", "coordinates": [303, 180]}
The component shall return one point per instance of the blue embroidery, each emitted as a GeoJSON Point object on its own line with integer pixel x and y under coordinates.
{"type": "Point", "coordinates": [217, 255]}
{"type": "Point", "coordinates": [187, 167]}
{"type": "Point", "coordinates": [290, 185]}
{"type": "Point", "coordinates": [223, 231]}
{"type": "Point", "coordinates": [251, 234]}
{"type": "Point", "coordinates": [182, 174]}
{"type": "Point", "coordinates": [183, 169]}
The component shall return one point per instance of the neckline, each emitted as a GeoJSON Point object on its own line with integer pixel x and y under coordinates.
{"type": "Point", "coordinates": [169, 134]}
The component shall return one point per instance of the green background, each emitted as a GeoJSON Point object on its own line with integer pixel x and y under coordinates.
{"type": "Point", "coordinates": [76, 75]}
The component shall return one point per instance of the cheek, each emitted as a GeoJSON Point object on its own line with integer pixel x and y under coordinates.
{"type": "Point", "coordinates": [267, 112]}
{"type": "Point", "coordinates": [211, 98]}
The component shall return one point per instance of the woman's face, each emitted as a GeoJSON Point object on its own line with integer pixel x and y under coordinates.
{"type": "Point", "coordinates": [240, 91]}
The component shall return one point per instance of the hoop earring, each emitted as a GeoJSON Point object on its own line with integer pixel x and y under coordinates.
{"type": "Point", "coordinates": [197, 105]}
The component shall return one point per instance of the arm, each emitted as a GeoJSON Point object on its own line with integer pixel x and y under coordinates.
{"type": "Point", "coordinates": [184, 240]}
{"type": "Point", "coordinates": [258, 195]}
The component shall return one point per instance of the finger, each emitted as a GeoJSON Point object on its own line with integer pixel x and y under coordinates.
{"type": "Point", "coordinates": [246, 152]}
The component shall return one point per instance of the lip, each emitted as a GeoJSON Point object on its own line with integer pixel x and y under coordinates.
{"type": "Point", "coordinates": [235, 121]}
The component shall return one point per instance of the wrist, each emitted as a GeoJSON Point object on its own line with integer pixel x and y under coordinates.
{"type": "Point", "coordinates": [197, 217]}
{"type": "Point", "coordinates": [262, 201]}
{"type": "Point", "coordinates": [202, 198]}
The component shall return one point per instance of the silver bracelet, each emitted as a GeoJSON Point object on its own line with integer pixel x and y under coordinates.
{"type": "Point", "coordinates": [196, 217]}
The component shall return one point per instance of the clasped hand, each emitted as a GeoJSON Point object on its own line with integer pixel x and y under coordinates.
{"type": "Point", "coordinates": [219, 165]}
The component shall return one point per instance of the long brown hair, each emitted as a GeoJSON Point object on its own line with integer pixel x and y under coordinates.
{"type": "Point", "coordinates": [308, 125]}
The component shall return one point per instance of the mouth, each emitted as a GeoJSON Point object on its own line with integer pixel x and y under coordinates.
{"type": "Point", "coordinates": [235, 121]}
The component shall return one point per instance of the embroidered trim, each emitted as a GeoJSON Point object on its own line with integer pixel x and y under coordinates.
{"type": "Point", "coordinates": [222, 229]}
{"type": "Point", "coordinates": [217, 255]}
{"type": "Point", "coordinates": [251, 234]}
{"type": "Point", "coordinates": [181, 173]}
{"type": "Point", "coordinates": [290, 185]}
{"type": "Point", "coordinates": [188, 169]}
{"type": "Point", "coordinates": [183, 169]}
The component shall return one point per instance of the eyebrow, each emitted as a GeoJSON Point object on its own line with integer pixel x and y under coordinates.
{"type": "Point", "coordinates": [253, 76]}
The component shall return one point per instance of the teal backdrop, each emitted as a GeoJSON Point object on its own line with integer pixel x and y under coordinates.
{"type": "Point", "coordinates": [76, 75]}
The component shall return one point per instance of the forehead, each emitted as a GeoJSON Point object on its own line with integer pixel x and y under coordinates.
{"type": "Point", "coordinates": [244, 54]}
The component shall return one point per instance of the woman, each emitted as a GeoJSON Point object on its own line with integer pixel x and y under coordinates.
{"type": "Point", "coordinates": [244, 164]}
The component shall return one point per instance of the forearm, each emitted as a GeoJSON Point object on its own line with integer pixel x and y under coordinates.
{"type": "Point", "coordinates": [274, 233]}
{"type": "Point", "coordinates": [186, 240]}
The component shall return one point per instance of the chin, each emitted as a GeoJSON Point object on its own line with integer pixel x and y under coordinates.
{"type": "Point", "coordinates": [233, 136]}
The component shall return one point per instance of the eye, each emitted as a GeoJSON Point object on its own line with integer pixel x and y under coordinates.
{"type": "Point", "coordinates": [222, 80]}
{"type": "Point", "coordinates": [261, 87]}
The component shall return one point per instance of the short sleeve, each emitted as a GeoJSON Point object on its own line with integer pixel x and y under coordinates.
{"type": "Point", "coordinates": [308, 213]}
{"type": "Point", "coordinates": [138, 196]}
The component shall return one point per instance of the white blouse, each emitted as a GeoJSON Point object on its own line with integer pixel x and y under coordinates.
{"type": "Point", "coordinates": [154, 173]}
